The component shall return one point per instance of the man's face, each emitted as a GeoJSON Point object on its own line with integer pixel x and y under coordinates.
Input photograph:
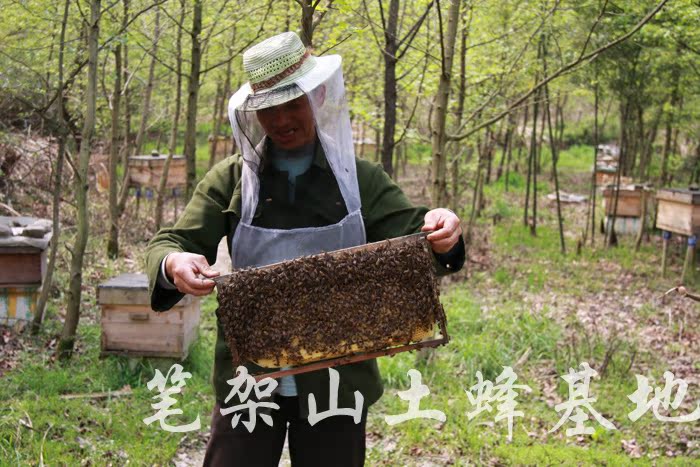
{"type": "Point", "coordinates": [289, 125]}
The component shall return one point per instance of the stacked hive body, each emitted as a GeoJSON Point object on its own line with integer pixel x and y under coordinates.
{"type": "Point", "coordinates": [678, 211]}
{"type": "Point", "coordinates": [607, 160]}
{"type": "Point", "coordinates": [606, 164]}
{"type": "Point", "coordinates": [221, 146]}
{"type": "Point", "coordinates": [23, 245]}
{"type": "Point", "coordinates": [335, 304]}
{"type": "Point", "coordinates": [629, 208]}
{"type": "Point", "coordinates": [131, 327]}
{"type": "Point", "coordinates": [146, 171]}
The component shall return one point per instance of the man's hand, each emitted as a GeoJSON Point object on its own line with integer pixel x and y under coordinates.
{"type": "Point", "coordinates": [447, 230]}
{"type": "Point", "coordinates": [183, 269]}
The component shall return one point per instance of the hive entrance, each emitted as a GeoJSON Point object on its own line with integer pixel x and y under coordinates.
{"type": "Point", "coordinates": [320, 307]}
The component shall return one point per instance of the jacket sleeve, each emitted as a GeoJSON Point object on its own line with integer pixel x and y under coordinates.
{"type": "Point", "coordinates": [198, 230]}
{"type": "Point", "coordinates": [388, 213]}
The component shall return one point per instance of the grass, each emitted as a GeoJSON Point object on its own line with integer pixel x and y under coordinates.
{"type": "Point", "coordinates": [38, 422]}
{"type": "Point", "coordinates": [486, 341]}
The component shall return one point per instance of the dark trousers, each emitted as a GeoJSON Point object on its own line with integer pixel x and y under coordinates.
{"type": "Point", "coordinates": [335, 441]}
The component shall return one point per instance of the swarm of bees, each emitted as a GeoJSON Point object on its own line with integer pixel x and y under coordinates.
{"type": "Point", "coordinates": [322, 306]}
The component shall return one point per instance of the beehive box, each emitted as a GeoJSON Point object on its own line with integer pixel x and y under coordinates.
{"type": "Point", "coordinates": [604, 175]}
{"type": "Point", "coordinates": [678, 211]}
{"type": "Point", "coordinates": [131, 327]}
{"type": "Point", "coordinates": [21, 266]}
{"type": "Point", "coordinates": [17, 304]}
{"type": "Point", "coordinates": [23, 245]}
{"type": "Point", "coordinates": [146, 171]}
{"type": "Point", "coordinates": [629, 202]}
{"type": "Point", "coordinates": [224, 147]}
{"type": "Point", "coordinates": [623, 225]}
{"type": "Point", "coordinates": [320, 307]}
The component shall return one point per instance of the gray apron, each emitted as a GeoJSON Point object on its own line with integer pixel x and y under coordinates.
{"type": "Point", "coordinates": [254, 246]}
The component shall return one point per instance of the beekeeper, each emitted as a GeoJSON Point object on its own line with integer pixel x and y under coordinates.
{"type": "Point", "coordinates": [294, 189]}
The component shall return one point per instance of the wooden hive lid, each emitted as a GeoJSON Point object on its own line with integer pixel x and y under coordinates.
{"type": "Point", "coordinates": [158, 157]}
{"type": "Point", "coordinates": [679, 195]}
{"type": "Point", "coordinates": [129, 289]}
{"type": "Point", "coordinates": [625, 190]}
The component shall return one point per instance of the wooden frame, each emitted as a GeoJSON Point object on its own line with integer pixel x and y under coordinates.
{"type": "Point", "coordinates": [360, 356]}
{"type": "Point", "coordinates": [353, 358]}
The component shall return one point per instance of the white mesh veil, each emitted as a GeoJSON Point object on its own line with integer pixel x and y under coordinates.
{"type": "Point", "coordinates": [332, 120]}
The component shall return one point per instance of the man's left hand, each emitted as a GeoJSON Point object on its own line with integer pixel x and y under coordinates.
{"type": "Point", "coordinates": [446, 229]}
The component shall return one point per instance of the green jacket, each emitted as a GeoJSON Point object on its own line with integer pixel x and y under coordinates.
{"type": "Point", "coordinates": [214, 212]}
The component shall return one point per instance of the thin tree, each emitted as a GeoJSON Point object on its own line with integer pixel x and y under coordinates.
{"type": "Point", "coordinates": [669, 146]}
{"type": "Point", "coordinates": [62, 135]}
{"type": "Point", "coordinates": [590, 216]}
{"type": "Point", "coordinates": [308, 22]}
{"type": "Point", "coordinates": [113, 239]}
{"type": "Point", "coordinates": [532, 169]}
{"type": "Point", "coordinates": [199, 45]}
{"type": "Point", "coordinates": [222, 96]}
{"type": "Point", "coordinates": [190, 149]}
{"type": "Point", "coordinates": [127, 101]}
{"type": "Point", "coordinates": [67, 340]}
{"type": "Point", "coordinates": [148, 89]}
{"type": "Point", "coordinates": [439, 158]}
{"type": "Point", "coordinates": [172, 142]}
{"type": "Point", "coordinates": [393, 50]}
{"type": "Point", "coordinates": [145, 112]}
{"type": "Point", "coordinates": [553, 148]}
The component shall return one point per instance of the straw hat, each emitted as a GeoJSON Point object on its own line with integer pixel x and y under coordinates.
{"type": "Point", "coordinates": [275, 66]}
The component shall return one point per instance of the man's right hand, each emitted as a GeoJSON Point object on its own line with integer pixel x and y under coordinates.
{"type": "Point", "coordinates": [183, 270]}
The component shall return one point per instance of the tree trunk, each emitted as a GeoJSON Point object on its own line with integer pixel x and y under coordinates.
{"type": "Point", "coordinates": [475, 200]}
{"type": "Point", "coordinates": [67, 341]}
{"type": "Point", "coordinates": [532, 168]}
{"type": "Point", "coordinates": [216, 126]}
{"type": "Point", "coordinates": [124, 190]}
{"type": "Point", "coordinates": [540, 140]}
{"type": "Point", "coordinates": [695, 173]}
{"type": "Point", "coordinates": [647, 150]}
{"type": "Point", "coordinates": [454, 198]}
{"type": "Point", "coordinates": [390, 59]}
{"type": "Point", "coordinates": [610, 236]}
{"type": "Point", "coordinates": [506, 146]}
{"type": "Point", "coordinates": [62, 134]}
{"type": "Point", "coordinates": [439, 158]}
{"type": "Point", "coordinates": [192, 96]}
{"type": "Point", "coordinates": [493, 144]}
{"type": "Point", "coordinates": [148, 90]}
{"type": "Point", "coordinates": [462, 88]}
{"type": "Point", "coordinates": [596, 142]}
{"type": "Point", "coordinates": [125, 80]}
{"type": "Point", "coordinates": [113, 240]}
{"type": "Point", "coordinates": [670, 118]}
{"type": "Point", "coordinates": [172, 143]}
{"type": "Point", "coordinates": [307, 22]}
{"type": "Point", "coordinates": [553, 146]}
